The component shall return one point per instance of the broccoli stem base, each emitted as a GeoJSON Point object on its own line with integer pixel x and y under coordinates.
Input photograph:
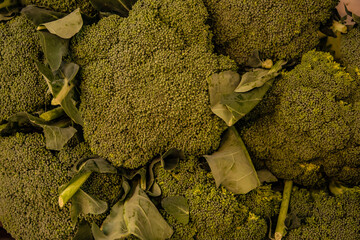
{"type": "Point", "coordinates": [280, 226]}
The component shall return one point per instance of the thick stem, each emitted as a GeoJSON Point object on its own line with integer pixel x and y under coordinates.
{"type": "Point", "coordinates": [73, 186]}
{"type": "Point", "coordinates": [52, 114]}
{"type": "Point", "coordinates": [280, 226]}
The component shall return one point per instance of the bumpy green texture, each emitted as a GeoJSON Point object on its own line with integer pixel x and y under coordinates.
{"type": "Point", "coordinates": [309, 124]}
{"type": "Point", "coordinates": [319, 215]}
{"type": "Point", "coordinates": [277, 29]}
{"type": "Point", "coordinates": [144, 82]}
{"type": "Point", "coordinates": [215, 213]}
{"type": "Point", "coordinates": [65, 6]}
{"type": "Point", "coordinates": [350, 48]}
{"type": "Point", "coordinates": [30, 176]}
{"type": "Point", "coordinates": [22, 88]}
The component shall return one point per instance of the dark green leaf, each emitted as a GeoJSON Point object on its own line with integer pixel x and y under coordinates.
{"type": "Point", "coordinates": [125, 188]}
{"type": "Point", "coordinates": [154, 190]}
{"type": "Point", "coordinates": [83, 232]}
{"type": "Point", "coordinates": [54, 48]}
{"type": "Point", "coordinates": [178, 207]}
{"type": "Point", "coordinates": [67, 26]}
{"type": "Point", "coordinates": [254, 60]}
{"type": "Point", "coordinates": [137, 216]}
{"type": "Point", "coordinates": [99, 165]}
{"type": "Point", "coordinates": [231, 165]}
{"type": "Point", "coordinates": [40, 15]}
{"type": "Point", "coordinates": [265, 175]}
{"type": "Point", "coordinates": [170, 159]}
{"type": "Point", "coordinates": [68, 104]}
{"type": "Point", "coordinates": [122, 7]}
{"type": "Point", "coordinates": [55, 137]}
{"type": "Point", "coordinates": [83, 203]}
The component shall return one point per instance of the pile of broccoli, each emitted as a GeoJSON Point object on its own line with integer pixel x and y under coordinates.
{"type": "Point", "coordinates": [65, 6]}
{"type": "Point", "coordinates": [277, 29]}
{"type": "Point", "coordinates": [144, 82]}
{"type": "Point", "coordinates": [317, 214]}
{"type": "Point", "coordinates": [216, 213]}
{"type": "Point", "coordinates": [22, 88]}
{"type": "Point", "coordinates": [308, 126]}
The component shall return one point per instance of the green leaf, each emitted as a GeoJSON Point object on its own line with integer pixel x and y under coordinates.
{"type": "Point", "coordinates": [83, 232]}
{"type": "Point", "coordinates": [40, 15]}
{"type": "Point", "coordinates": [254, 60]}
{"type": "Point", "coordinates": [99, 165]}
{"type": "Point", "coordinates": [154, 190]}
{"type": "Point", "coordinates": [258, 77]}
{"type": "Point", "coordinates": [67, 26]}
{"type": "Point", "coordinates": [54, 48]}
{"type": "Point", "coordinates": [170, 159]}
{"type": "Point", "coordinates": [265, 175]}
{"type": "Point", "coordinates": [55, 137]}
{"type": "Point", "coordinates": [122, 7]}
{"type": "Point", "coordinates": [231, 165]}
{"type": "Point", "coordinates": [83, 203]}
{"type": "Point", "coordinates": [178, 207]}
{"type": "Point", "coordinates": [137, 216]}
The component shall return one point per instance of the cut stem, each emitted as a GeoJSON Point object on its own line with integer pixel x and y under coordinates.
{"type": "Point", "coordinates": [73, 186]}
{"type": "Point", "coordinates": [280, 226]}
{"type": "Point", "coordinates": [52, 114]}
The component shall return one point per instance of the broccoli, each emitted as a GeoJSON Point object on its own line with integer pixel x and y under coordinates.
{"type": "Point", "coordinates": [144, 82]}
{"type": "Point", "coordinates": [319, 215]}
{"type": "Point", "coordinates": [66, 6]}
{"type": "Point", "coordinates": [311, 127]}
{"type": "Point", "coordinates": [277, 29]}
{"type": "Point", "coordinates": [30, 178]}
{"type": "Point", "coordinates": [215, 213]}
{"type": "Point", "coordinates": [22, 88]}
{"type": "Point", "coordinates": [350, 48]}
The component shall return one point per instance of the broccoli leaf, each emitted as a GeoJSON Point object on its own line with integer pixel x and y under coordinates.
{"type": "Point", "coordinates": [83, 203]}
{"type": "Point", "coordinates": [55, 137]}
{"type": "Point", "coordinates": [137, 216]}
{"type": "Point", "coordinates": [178, 207]}
{"type": "Point", "coordinates": [83, 232]}
{"type": "Point", "coordinates": [40, 15]}
{"type": "Point", "coordinates": [231, 165]}
{"type": "Point", "coordinates": [122, 7]}
{"type": "Point", "coordinates": [67, 26]}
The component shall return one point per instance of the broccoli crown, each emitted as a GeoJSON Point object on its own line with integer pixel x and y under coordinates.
{"type": "Point", "coordinates": [215, 213]}
{"type": "Point", "coordinates": [350, 48]}
{"type": "Point", "coordinates": [22, 88]}
{"type": "Point", "coordinates": [30, 176]}
{"type": "Point", "coordinates": [240, 27]}
{"type": "Point", "coordinates": [65, 6]}
{"type": "Point", "coordinates": [313, 124]}
{"type": "Point", "coordinates": [144, 82]}
{"type": "Point", "coordinates": [319, 215]}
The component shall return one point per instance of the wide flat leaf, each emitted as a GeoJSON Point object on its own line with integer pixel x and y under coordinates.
{"type": "Point", "coordinates": [69, 106]}
{"type": "Point", "coordinates": [67, 26]}
{"type": "Point", "coordinates": [178, 207]}
{"type": "Point", "coordinates": [83, 232]}
{"type": "Point", "coordinates": [265, 175]}
{"type": "Point", "coordinates": [99, 165]}
{"type": "Point", "coordinates": [122, 7]}
{"type": "Point", "coordinates": [55, 137]}
{"type": "Point", "coordinates": [231, 165]}
{"type": "Point", "coordinates": [40, 15]}
{"type": "Point", "coordinates": [137, 216]}
{"type": "Point", "coordinates": [54, 48]}
{"type": "Point", "coordinates": [83, 203]}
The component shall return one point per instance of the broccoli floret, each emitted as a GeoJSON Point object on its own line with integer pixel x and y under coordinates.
{"type": "Point", "coordinates": [323, 216]}
{"type": "Point", "coordinates": [277, 29]}
{"type": "Point", "coordinates": [312, 127]}
{"type": "Point", "coordinates": [215, 213]}
{"type": "Point", "coordinates": [65, 6]}
{"type": "Point", "coordinates": [144, 82]}
{"type": "Point", "coordinates": [22, 88]}
{"type": "Point", "coordinates": [30, 176]}
{"type": "Point", "coordinates": [350, 48]}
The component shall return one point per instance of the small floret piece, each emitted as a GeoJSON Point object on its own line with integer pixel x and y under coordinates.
{"type": "Point", "coordinates": [22, 88]}
{"type": "Point", "coordinates": [277, 29]}
{"type": "Point", "coordinates": [323, 216]}
{"type": "Point", "coordinates": [350, 48]}
{"type": "Point", "coordinates": [215, 213]}
{"type": "Point", "coordinates": [65, 6]}
{"type": "Point", "coordinates": [311, 129]}
{"type": "Point", "coordinates": [144, 82]}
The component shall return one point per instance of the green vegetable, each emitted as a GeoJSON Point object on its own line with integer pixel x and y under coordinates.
{"type": "Point", "coordinates": [277, 29]}
{"type": "Point", "coordinates": [153, 80]}
{"type": "Point", "coordinates": [307, 127]}
{"type": "Point", "coordinates": [178, 207]}
{"type": "Point", "coordinates": [280, 226]}
{"type": "Point", "coordinates": [21, 85]}
{"type": "Point", "coordinates": [231, 165]}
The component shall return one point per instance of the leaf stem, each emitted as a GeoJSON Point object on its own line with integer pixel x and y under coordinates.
{"type": "Point", "coordinates": [73, 186]}
{"type": "Point", "coordinates": [280, 226]}
{"type": "Point", "coordinates": [3, 126]}
{"type": "Point", "coordinates": [52, 114]}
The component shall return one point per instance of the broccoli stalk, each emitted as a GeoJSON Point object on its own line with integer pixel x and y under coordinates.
{"type": "Point", "coordinates": [52, 114]}
{"type": "Point", "coordinates": [280, 226]}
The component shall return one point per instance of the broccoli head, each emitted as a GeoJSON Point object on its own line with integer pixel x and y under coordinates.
{"type": "Point", "coordinates": [66, 6]}
{"type": "Point", "coordinates": [319, 215]}
{"type": "Point", "coordinates": [277, 29]}
{"type": "Point", "coordinates": [215, 213]}
{"type": "Point", "coordinates": [350, 48]}
{"type": "Point", "coordinates": [144, 82]}
{"type": "Point", "coordinates": [22, 88]}
{"type": "Point", "coordinates": [312, 128]}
